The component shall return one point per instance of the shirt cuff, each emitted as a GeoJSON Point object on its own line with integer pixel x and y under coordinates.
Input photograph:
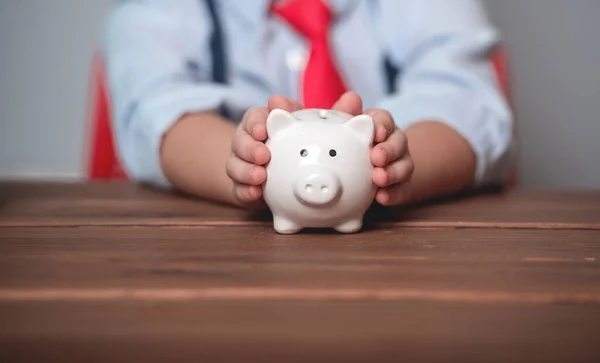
{"type": "Point", "coordinates": [488, 131]}
{"type": "Point", "coordinates": [154, 116]}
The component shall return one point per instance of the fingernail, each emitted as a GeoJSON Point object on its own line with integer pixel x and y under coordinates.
{"type": "Point", "coordinates": [254, 176]}
{"type": "Point", "coordinates": [386, 177]}
{"type": "Point", "coordinates": [381, 133]}
{"type": "Point", "coordinates": [383, 176]}
{"type": "Point", "coordinates": [254, 152]}
{"type": "Point", "coordinates": [258, 160]}
{"type": "Point", "coordinates": [384, 196]}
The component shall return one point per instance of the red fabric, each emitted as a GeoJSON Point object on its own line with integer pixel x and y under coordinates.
{"type": "Point", "coordinates": [322, 84]}
{"type": "Point", "coordinates": [500, 64]}
{"type": "Point", "coordinates": [103, 163]}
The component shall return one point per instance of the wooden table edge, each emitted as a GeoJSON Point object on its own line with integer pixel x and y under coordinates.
{"type": "Point", "coordinates": [230, 223]}
{"type": "Point", "coordinates": [260, 293]}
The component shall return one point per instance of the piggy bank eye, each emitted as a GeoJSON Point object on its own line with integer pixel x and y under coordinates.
{"type": "Point", "coordinates": [303, 152]}
{"type": "Point", "coordinates": [332, 153]}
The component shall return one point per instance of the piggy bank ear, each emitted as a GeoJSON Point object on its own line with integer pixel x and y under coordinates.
{"type": "Point", "coordinates": [278, 120]}
{"type": "Point", "coordinates": [363, 126]}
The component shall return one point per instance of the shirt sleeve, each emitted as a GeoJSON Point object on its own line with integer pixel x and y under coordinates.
{"type": "Point", "coordinates": [442, 50]}
{"type": "Point", "coordinates": [157, 54]}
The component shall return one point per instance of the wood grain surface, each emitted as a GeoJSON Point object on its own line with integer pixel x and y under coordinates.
{"type": "Point", "coordinates": [471, 260]}
{"type": "Point", "coordinates": [114, 272]}
{"type": "Point", "coordinates": [298, 331]}
{"type": "Point", "coordinates": [124, 204]}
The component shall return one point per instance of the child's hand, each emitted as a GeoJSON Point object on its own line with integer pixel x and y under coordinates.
{"type": "Point", "coordinates": [390, 156]}
{"type": "Point", "coordinates": [249, 153]}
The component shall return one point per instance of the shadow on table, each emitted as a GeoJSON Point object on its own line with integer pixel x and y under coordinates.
{"type": "Point", "coordinates": [378, 214]}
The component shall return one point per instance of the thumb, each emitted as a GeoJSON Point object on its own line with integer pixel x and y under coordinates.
{"type": "Point", "coordinates": [283, 103]}
{"type": "Point", "coordinates": [350, 102]}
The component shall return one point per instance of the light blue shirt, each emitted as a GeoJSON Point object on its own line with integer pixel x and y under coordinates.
{"type": "Point", "coordinates": [159, 67]}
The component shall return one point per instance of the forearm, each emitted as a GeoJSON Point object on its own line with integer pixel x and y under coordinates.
{"type": "Point", "coordinates": [194, 153]}
{"type": "Point", "coordinates": [447, 75]}
{"type": "Point", "coordinates": [444, 161]}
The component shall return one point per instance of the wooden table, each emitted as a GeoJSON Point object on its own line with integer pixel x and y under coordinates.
{"type": "Point", "coordinates": [118, 272]}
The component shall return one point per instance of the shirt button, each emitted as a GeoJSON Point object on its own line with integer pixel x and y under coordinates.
{"type": "Point", "coordinates": [296, 59]}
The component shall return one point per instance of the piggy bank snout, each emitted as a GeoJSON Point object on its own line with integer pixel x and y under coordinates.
{"type": "Point", "coordinates": [317, 187]}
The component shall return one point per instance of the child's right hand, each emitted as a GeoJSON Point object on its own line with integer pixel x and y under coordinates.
{"type": "Point", "coordinates": [249, 154]}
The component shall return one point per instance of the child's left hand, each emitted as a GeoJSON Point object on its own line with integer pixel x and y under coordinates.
{"type": "Point", "coordinates": [390, 155]}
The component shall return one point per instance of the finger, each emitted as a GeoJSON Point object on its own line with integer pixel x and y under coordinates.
{"type": "Point", "coordinates": [245, 173]}
{"type": "Point", "coordinates": [254, 123]}
{"type": "Point", "coordinates": [247, 194]}
{"type": "Point", "coordinates": [397, 172]}
{"type": "Point", "coordinates": [284, 103]}
{"type": "Point", "coordinates": [350, 102]}
{"type": "Point", "coordinates": [384, 123]}
{"type": "Point", "coordinates": [393, 148]}
{"type": "Point", "coordinates": [394, 195]}
{"type": "Point", "coordinates": [248, 149]}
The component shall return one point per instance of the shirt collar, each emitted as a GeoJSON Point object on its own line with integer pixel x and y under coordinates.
{"type": "Point", "coordinates": [338, 7]}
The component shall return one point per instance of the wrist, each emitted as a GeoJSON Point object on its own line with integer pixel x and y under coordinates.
{"type": "Point", "coordinates": [193, 154]}
{"type": "Point", "coordinates": [444, 160]}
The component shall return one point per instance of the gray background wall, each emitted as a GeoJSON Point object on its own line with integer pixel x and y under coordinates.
{"type": "Point", "coordinates": [46, 47]}
{"type": "Point", "coordinates": [45, 50]}
{"type": "Point", "coordinates": [555, 52]}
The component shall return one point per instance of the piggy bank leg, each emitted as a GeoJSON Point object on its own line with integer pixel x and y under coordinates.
{"type": "Point", "coordinates": [285, 226]}
{"type": "Point", "coordinates": [351, 226]}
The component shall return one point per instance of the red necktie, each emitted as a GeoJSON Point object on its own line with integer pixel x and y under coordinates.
{"type": "Point", "coordinates": [322, 85]}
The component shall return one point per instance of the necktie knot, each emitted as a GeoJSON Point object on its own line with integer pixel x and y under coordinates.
{"type": "Point", "coordinates": [322, 84]}
{"type": "Point", "coordinates": [311, 18]}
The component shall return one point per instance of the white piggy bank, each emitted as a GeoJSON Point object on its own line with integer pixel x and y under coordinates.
{"type": "Point", "coordinates": [320, 172]}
